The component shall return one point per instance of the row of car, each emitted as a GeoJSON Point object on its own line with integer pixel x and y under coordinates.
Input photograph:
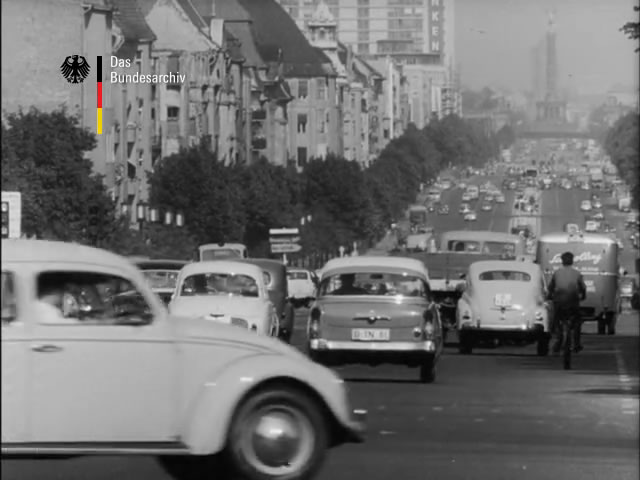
{"type": "Point", "coordinates": [95, 363]}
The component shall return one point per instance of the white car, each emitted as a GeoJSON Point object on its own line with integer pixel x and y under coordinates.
{"type": "Point", "coordinates": [226, 291]}
{"type": "Point", "coordinates": [464, 208]}
{"type": "Point", "coordinates": [500, 198]}
{"type": "Point", "coordinates": [591, 226]}
{"type": "Point", "coordinates": [486, 207]}
{"type": "Point", "coordinates": [95, 365]}
{"type": "Point", "coordinates": [597, 204]}
{"type": "Point", "coordinates": [503, 299]}
{"type": "Point", "coordinates": [301, 287]}
{"type": "Point", "coordinates": [470, 216]}
{"type": "Point", "coordinates": [585, 206]}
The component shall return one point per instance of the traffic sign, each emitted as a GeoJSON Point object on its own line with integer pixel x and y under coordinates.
{"type": "Point", "coordinates": [285, 248]}
{"type": "Point", "coordinates": [283, 231]}
{"type": "Point", "coordinates": [284, 239]}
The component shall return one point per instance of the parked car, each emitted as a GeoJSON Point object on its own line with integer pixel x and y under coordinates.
{"type": "Point", "coordinates": [145, 382]}
{"type": "Point", "coordinates": [504, 299]}
{"type": "Point", "coordinates": [500, 198]}
{"type": "Point", "coordinates": [376, 310]}
{"type": "Point", "coordinates": [226, 291]}
{"type": "Point", "coordinates": [161, 275]}
{"type": "Point", "coordinates": [597, 204]}
{"type": "Point", "coordinates": [464, 208]}
{"type": "Point", "coordinates": [302, 289]}
{"type": "Point", "coordinates": [275, 278]}
{"type": "Point", "coordinates": [585, 206]}
{"type": "Point", "coordinates": [486, 207]}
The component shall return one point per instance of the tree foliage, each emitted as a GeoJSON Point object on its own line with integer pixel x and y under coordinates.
{"type": "Point", "coordinates": [333, 201]}
{"type": "Point", "coordinates": [622, 146]}
{"type": "Point", "coordinates": [43, 156]}
{"type": "Point", "coordinates": [632, 29]}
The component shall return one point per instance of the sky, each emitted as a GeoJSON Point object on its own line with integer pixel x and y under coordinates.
{"type": "Point", "coordinates": [494, 40]}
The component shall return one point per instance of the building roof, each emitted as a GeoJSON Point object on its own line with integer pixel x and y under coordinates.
{"type": "Point", "coordinates": [274, 30]}
{"type": "Point", "coordinates": [205, 8]}
{"type": "Point", "coordinates": [192, 13]}
{"type": "Point", "coordinates": [232, 45]}
{"type": "Point", "coordinates": [242, 32]}
{"type": "Point", "coordinates": [232, 11]}
{"type": "Point", "coordinates": [128, 16]}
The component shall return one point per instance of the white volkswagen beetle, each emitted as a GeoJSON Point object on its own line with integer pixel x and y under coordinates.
{"type": "Point", "coordinates": [226, 291]}
{"type": "Point", "coordinates": [94, 364]}
{"type": "Point", "coordinates": [504, 299]}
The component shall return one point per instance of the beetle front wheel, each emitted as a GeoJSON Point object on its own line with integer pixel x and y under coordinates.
{"type": "Point", "coordinates": [277, 434]}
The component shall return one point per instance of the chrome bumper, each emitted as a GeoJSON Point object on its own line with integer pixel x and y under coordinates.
{"type": "Point", "coordinates": [322, 345]}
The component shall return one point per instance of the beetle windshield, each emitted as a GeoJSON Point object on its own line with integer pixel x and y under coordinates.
{"type": "Point", "coordinates": [386, 284]}
{"type": "Point", "coordinates": [219, 284]}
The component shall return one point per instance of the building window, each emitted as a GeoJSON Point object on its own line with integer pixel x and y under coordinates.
{"type": "Point", "coordinates": [321, 86]}
{"type": "Point", "coordinates": [322, 128]}
{"type": "Point", "coordinates": [173, 113]}
{"type": "Point", "coordinates": [302, 123]}
{"type": "Point", "coordinates": [303, 88]}
{"type": "Point", "coordinates": [363, 48]}
{"type": "Point", "coordinates": [302, 156]}
{"type": "Point", "coordinates": [363, 24]}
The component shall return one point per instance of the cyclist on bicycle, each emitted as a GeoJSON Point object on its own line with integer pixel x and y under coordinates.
{"type": "Point", "coordinates": [567, 289]}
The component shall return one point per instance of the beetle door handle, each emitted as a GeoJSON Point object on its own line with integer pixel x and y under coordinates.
{"type": "Point", "coordinates": [46, 348]}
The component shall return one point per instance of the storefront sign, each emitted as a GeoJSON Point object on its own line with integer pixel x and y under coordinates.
{"type": "Point", "coordinates": [436, 21]}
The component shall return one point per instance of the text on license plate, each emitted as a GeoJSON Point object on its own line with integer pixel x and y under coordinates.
{"type": "Point", "coordinates": [370, 334]}
{"type": "Point", "coordinates": [502, 300]}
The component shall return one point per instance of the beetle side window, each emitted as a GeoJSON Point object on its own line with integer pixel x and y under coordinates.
{"type": "Point", "coordinates": [86, 298]}
{"type": "Point", "coordinates": [9, 310]}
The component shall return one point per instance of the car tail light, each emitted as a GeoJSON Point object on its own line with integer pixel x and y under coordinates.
{"type": "Point", "coordinates": [314, 323]}
{"type": "Point", "coordinates": [538, 315]}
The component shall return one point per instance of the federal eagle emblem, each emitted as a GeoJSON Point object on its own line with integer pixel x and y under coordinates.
{"type": "Point", "coordinates": [75, 68]}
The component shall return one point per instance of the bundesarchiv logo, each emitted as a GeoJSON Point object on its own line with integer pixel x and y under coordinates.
{"type": "Point", "coordinates": [75, 68]}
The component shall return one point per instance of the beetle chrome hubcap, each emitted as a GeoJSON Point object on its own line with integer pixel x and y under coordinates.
{"type": "Point", "coordinates": [277, 440]}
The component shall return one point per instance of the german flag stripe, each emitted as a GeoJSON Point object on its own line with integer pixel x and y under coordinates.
{"type": "Point", "coordinates": [99, 94]}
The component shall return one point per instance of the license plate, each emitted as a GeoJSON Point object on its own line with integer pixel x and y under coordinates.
{"type": "Point", "coordinates": [502, 300]}
{"type": "Point", "coordinates": [370, 334]}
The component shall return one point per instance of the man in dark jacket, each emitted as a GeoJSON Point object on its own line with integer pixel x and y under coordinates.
{"type": "Point", "coordinates": [566, 290]}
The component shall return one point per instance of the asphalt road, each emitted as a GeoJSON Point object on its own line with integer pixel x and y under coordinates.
{"type": "Point", "coordinates": [499, 414]}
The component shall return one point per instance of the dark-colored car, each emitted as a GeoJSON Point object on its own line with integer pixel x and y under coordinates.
{"type": "Point", "coordinates": [275, 273]}
{"type": "Point", "coordinates": [162, 275]}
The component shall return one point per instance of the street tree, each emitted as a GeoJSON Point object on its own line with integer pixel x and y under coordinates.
{"type": "Point", "coordinates": [43, 157]}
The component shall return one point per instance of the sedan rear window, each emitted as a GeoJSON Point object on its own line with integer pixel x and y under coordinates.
{"type": "Point", "coordinates": [219, 284]}
{"type": "Point", "coordinates": [386, 284]}
{"type": "Point", "coordinates": [297, 275]}
{"type": "Point", "coordinates": [502, 275]}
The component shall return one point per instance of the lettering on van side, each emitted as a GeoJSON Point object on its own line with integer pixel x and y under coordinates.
{"type": "Point", "coordinates": [582, 257]}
